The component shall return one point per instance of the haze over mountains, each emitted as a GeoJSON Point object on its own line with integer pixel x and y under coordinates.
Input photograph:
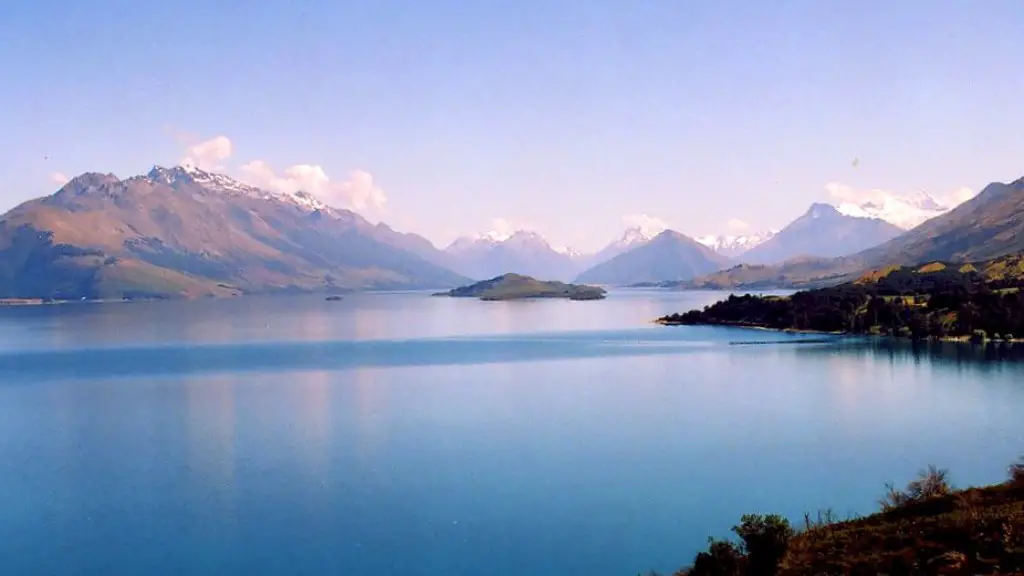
{"type": "Point", "coordinates": [182, 231]}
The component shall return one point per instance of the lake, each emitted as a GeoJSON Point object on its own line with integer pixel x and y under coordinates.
{"type": "Point", "coordinates": [409, 435]}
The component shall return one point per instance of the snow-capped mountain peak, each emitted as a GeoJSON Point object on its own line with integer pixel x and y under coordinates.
{"type": "Point", "coordinates": [734, 245]}
{"type": "Point", "coordinates": [514, 238]}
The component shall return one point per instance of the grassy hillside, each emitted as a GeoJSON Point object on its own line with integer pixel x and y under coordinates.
{"type": "Point", "coordinates": [519, 287]}
{"type": "Point", "coordinates": [926, 528]}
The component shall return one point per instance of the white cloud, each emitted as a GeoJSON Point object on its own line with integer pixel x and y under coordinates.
{"type": "Point", "coordinates": [649, 225]}
{"type": "Point", "coordinates": [59, 178]}
{"type": "Point", "coordinates": [737, 225]}
{"type": "Point", "coordinates": [208, 154]}
{"type": "Point", "coordinates": [359, 192]}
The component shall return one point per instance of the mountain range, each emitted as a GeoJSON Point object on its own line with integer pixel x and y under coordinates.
{"type": "Point", "coordinates": [984, 227]}
{"type": "Point", "coordinates": [182, 231]}
{"type": "Point", "coordinates": [521, 252]}
{"type": "Point", "coordinates": [821, 231]}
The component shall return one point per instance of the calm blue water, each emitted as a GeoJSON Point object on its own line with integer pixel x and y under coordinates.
{"type": "Point", "coordinates": [408, 435]}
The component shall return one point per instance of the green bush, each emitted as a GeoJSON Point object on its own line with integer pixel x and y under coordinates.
{"type": "Point", "coordinates": [765, 541]}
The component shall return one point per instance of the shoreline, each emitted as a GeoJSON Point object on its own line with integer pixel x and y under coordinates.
{"type": "Point", "coordinates": [962, 339]}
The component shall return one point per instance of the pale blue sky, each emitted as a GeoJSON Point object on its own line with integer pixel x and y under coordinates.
{"type": "Point", "coordinates": [562, 115]}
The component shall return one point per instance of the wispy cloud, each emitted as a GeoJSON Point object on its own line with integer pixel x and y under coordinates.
{"type": "Point", "coordinates": [59, 178]}
{"type": "Point", "coordinates": [208, 154]}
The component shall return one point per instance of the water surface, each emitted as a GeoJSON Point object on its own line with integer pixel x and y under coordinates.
{"type": "Point", "coordinates": [409, 435]}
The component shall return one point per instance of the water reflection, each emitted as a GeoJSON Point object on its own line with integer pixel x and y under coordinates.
{"type": "Point", "coordinates": [212, 429]}
{"type": "Point", "coordinates": [991, 357]}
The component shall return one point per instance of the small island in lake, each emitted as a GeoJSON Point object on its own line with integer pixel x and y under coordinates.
{"type": "Point", "coordinates": [978, 302]}
{"type": "Point", "coordinates": [520, 287]}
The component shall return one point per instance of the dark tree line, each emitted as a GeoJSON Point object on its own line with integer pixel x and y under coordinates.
{"type": "Point", "coordinates": [903, 303]}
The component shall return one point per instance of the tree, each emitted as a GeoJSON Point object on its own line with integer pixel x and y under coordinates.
{"type": "Point", "coordinates": [765, 540]}
{"type": "Point", "coordinates": [722, 559]}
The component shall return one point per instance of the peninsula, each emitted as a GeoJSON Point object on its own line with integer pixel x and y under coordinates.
{"type": "Point", "coordinates": [977, 301]}
{"type": "Point", "coordinates": [519, 287]}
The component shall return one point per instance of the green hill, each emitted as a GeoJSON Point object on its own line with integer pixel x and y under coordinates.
{"type": "Point", "coordinates": [519, 287]}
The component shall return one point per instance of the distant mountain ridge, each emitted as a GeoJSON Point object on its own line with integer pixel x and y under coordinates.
{"type": "Point", "coordinates": [520, 252]}
{"type": "Point", "coordinates": [182, 231]}
{"type": "Point", "coordinates": [987, 226]}
{"type": "Point", "coordinates": [822, 231]}
{"type": "Point", "coordinates": [669, 256]}
{"type": "Point", "coordinates": [732, 246]}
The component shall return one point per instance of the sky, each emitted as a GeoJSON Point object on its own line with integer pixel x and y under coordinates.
{"type": "Point", "coordinates": [573, 119]}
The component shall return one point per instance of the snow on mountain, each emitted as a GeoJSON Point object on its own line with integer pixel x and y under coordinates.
{"type": "Point", "coordinates": [731, 245]}
{"type": "Point", "coordinates": [505, 251]}
{"type": "Point", "coordinates": [188, 174]}
{"type": "Point", "coordinates": [633, 237]}
{"type": "Point", "coordinates": [903, 211]}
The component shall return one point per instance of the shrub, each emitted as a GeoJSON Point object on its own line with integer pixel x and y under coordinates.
{"type": "Point", "coordinates": [930, 483]}
{"type": "Point", "coordinates": [723, 558]}
{"type": "Point", "coordinates": [893, 498]}
{"type": "Point", "coordinates": [765, 540]}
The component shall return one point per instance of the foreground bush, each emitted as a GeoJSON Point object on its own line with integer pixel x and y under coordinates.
{"type": "Point", "coordinates": [927, 528]}
{"type": "Point", "coordinates": [931, 483]}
